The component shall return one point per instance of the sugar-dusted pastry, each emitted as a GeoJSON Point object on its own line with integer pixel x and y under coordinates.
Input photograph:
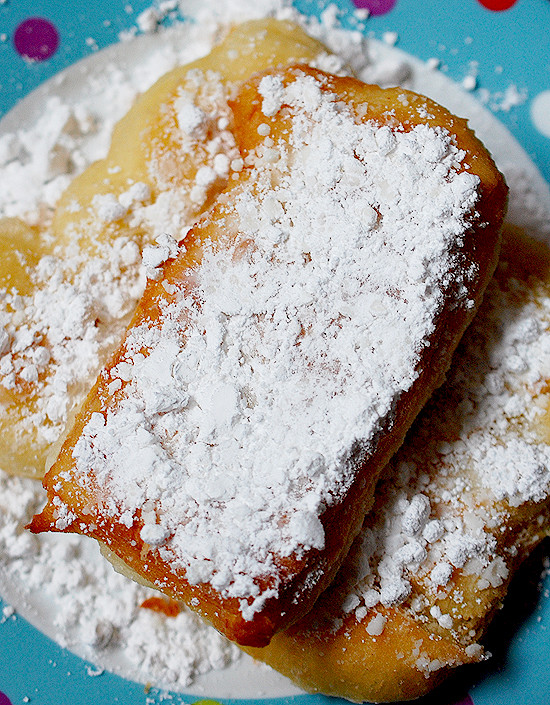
{"type": "Point", "coordinates": [174, 150]}
{"type": "Point", "coordinates": [69, 284]}
{"type": "Point", "coordinates": [461, 505]}
{"type": "Point", "coordinates": [229, 451]}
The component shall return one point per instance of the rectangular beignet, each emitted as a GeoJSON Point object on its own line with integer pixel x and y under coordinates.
{"type": "Point", "coordinates": [229, 451]}
{"type": "Point", "coordinates": [461, 505]}
{"type": "Point", "coordinates": [68, 287]}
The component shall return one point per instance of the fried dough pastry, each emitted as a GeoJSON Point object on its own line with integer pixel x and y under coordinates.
{"type": "Point", "coordinates": [464, 501]}
{"type": "Point", "coordinates": [70, 285]}
{"type": "Point", "coordinates": [182, 147]}
{"type": "Point", "coordinates": [229, 451]}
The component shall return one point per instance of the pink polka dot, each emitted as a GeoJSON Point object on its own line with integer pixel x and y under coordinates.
{"type": "Point", "coordinates": [4, 700]}
{"type": "Point", "coordinates": [36, 39]}
{"type": "Point", "coordinates": [376, 7]}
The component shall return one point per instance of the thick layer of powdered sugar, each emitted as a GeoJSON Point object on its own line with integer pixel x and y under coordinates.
{"type": "Point", "coordinates": [56, 337]}
{"type": "Point", "coordinates": [94, 601]}
{"type": "Point", "coordinates": [61, 134]}
{"type": "Point", "coordinates": [299, 350]}
{"type": "Point", "coordinates": [441, 507]}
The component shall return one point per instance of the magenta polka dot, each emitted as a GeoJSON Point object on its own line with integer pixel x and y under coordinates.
{"type": "Point", "coordinates": [36, 39]}
{"type": "Point", "coordinates": [4, 700]}
{"type": "Point", "coordinates": [376, 7]}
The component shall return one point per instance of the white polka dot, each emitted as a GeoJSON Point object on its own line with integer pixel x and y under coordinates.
{"type": "Point", "coordinates": [540, 113]}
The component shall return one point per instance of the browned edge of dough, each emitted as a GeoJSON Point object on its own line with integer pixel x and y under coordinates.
{"type": "Point", "coordinates": [407, 660]}
{"type": "Point", "coordinates": [303, 578]}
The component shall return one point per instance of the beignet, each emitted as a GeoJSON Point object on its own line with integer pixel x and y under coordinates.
{"type": "Point", "coordinates": [70, 283]}
{"type": "Point", "coordinates": [463, 502]}
{"type": "Point", "coordinates": [229, 451]}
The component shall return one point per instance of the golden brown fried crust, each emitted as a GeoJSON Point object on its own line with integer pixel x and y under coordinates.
{"type": "Point", "coordinates": [410, 657]}
{"type": "Point", "coordinates": [301, 579]}
{"type": "Point", "coordinates": [355, 665]}
{"type": "Point", "coordinates": [332, 652]}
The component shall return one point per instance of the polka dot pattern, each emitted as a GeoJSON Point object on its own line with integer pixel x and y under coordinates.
{"type": "Point", "coordinates": [376, 7]}
{"type": "Point", "coordinates": [382, 7]}
{"type": "Point", "coordinates": [467, 701]}
{"type": "Point", "coordinates": [36, 39]}
{"type": "Point", "coordinates": [497, 5]}
{"type": "Point", "coordinates": [540, 113]}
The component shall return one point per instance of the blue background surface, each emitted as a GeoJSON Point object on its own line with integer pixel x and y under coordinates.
{"type": "Point", "coordinates": [511, 47]}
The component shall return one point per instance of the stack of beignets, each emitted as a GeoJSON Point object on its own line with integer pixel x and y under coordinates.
{"type": "Point", "coordinates": [461, 505]}
{"type": "Point", "coordinates": [229, 451]}
{"type": "Point", "coordinates": [70, 282]}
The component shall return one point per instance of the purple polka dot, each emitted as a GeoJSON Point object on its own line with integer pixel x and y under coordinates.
{"type": "Point", "coordinates": [467, 701]}
{"type": "Point", "coordinates": [376, 7]}
{"type": "Point", "coordinates": [4, 700]}
{"type": "Point", "coordinates": [36, 39]}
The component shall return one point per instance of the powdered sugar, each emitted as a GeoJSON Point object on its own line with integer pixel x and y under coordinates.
{"type": "Point", "coordinates": [39, 161]}
{"type": "Point", "coordinates": [70, 296]}
{"type": "Point", "coordinates": [300, 348]}
{"type": "Point", "coordinates": [93, 602]}
{"type": "Point", "coordinates": [476, 445]}
{"type": "Point", "coordinates": [80, 280]}
{"type": "Point", "coordinates": [516, 471]}
{"type": "Point", "coordinates": [46, 154]}
{"type": "Point", "coordinates": [97, 611]}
